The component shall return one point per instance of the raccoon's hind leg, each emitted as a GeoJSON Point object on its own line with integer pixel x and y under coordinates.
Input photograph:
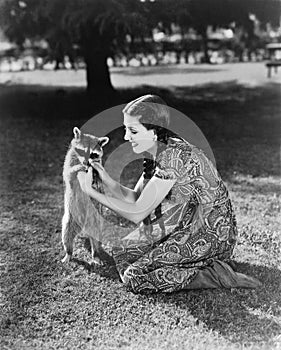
{"type": "Point", "coordinates": [99, 255]}
{"type": "Point", "coordinates": [95, 249]}
{"type": "Point", "coordinates": [69, 231]}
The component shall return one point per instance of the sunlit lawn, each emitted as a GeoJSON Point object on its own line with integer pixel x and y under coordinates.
{"type": "Point", "coordinates": [49, 306]}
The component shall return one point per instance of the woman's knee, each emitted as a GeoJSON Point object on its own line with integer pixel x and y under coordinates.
{"type": "Point", "coordinates": [132, 277]}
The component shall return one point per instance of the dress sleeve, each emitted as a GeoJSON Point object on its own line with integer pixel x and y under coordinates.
{"type": "Point", "coordinates": [174, 163]}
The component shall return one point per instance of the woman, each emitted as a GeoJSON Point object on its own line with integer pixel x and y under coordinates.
{"type": "Point", "coordinates": [187, 229]}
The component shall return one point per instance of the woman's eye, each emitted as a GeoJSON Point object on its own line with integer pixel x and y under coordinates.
{"type": "Point", "coordinates": [131, 131]}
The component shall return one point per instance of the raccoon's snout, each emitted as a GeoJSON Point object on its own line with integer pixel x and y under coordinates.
{"type": "Point", "coordinates": [93, 157]}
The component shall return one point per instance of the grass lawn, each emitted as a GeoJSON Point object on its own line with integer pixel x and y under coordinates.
{"type": "Point", "coordinates": [45, 305]}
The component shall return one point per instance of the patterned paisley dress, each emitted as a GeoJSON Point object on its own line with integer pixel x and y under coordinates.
{"type": "Point", "coordinates": [189, 246]}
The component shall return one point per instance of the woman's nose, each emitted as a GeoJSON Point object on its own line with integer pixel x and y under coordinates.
{"type": "Point", "coordinates": [127, 136]}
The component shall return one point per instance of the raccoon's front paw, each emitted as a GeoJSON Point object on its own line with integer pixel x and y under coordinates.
{"type": "Point", "coordinates": [66, 259]}
{"type": "Point", "coordinates": [96, 261]}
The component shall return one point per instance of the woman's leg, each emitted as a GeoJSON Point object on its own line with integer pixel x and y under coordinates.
{"type": "Point", "coordinates": [164, 279]}
{"type": "Point", "coordinates": [128, 253]}
{"type": "Point", "coordinates": [173, 266]}
{"type": "Point", "coordinates": [162, 268]}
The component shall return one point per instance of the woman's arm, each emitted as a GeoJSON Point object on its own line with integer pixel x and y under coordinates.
{"type": "Point", "coordinates": [119, 191]}
{"type": "Point", "coordinates": [152, 195]}
{"type": "Point", "coordinates": [116, 189]}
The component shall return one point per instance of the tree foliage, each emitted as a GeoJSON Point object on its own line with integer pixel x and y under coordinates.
{"type": "Point", "coordinates": [102, 27]}
{"type": "Point", "coordinates": [99, 27]}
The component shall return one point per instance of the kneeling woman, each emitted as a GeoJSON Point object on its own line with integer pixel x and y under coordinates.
{"type": "Point", "coordinates": [189, 244]}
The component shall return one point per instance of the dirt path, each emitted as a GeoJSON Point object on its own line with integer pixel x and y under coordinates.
{"type": "Point", "coordinates": [253, 74]}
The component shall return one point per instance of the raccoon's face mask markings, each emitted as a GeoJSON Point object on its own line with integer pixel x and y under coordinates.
{"type": "Point", "coordinates": [93, 152]}
{"type": "Point", "coordinates": [85, 154]}
{"type": "Point", "coordinates": [95, 156]}
{"type": "Point", "coordinates": [88, 147]}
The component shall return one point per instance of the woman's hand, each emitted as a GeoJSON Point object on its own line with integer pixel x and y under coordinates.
{"type": "Point", "coordinates": [85, 180]}
{"type": "Point", "coordinates": [105, 178]}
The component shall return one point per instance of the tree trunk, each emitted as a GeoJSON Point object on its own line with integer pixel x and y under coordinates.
{"type": "Point", "coordinates": [95, 49]}
{"type": "Point", "coordinates": [203, 32]}
{"type": "Point", "coordinates": [97, 72]}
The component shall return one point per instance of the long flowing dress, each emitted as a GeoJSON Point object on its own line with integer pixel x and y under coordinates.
{"type": "Point", "coordinates": [190, 245]}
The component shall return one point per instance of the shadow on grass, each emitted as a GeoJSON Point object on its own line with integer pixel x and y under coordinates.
{"type": "Point", "coordinates": [29, 271]}
{"type": "Point", "coordinates": [269, 186]}
{"type": "Point", "coordinates": [106, 270]}
{"type": "Point", "coordinates": [52, 103]}
{"type": "Point", "coordinates": [240, 123]}
{"type": "Point", "coordinates": [240, 315]}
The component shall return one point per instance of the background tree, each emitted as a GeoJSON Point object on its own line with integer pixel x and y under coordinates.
{"type": "Point", "coordinates": [97, 26]}
{"type": "Point", "coordinates": [249, 14]}
{"type": "Point", "coordinates": [220, 13]}
{"type": "Point", "coordinates": [100, 28]}
{"type": "Point", "coordinates": [164, 15]}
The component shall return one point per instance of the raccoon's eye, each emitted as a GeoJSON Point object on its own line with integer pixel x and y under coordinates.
{"type": "Point", "coordinates": [94, 155]}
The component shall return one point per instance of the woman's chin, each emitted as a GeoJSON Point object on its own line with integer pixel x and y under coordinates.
{"type": "Point", "coordinates": [137, 151]}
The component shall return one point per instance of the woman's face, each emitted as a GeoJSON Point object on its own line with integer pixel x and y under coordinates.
{"type": "Point", "coordinates": [141, 139]}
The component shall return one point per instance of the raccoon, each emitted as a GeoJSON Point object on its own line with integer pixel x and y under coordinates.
{"type": "Point", "coordinates": [82, 214]}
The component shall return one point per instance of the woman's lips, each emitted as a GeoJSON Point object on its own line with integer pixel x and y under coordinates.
{"type": "Point", "coordinates": [134, 144]}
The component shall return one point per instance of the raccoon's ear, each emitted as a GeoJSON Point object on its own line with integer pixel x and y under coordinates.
{"type": "Point", "coordinates": [77, 133]}
{"type": "Point", "coordinates": [103, 140]}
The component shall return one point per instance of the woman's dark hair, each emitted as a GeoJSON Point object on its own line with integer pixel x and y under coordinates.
{"type": "Point", "coordinates": [150, 109]}
{"type": "Point", "coordinates": [153, 113]}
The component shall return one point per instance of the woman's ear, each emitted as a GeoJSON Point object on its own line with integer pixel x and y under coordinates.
{"type": "Point", "coordinates": [77, 133]}
{"type": "Point", "coordinates": [103, 140]}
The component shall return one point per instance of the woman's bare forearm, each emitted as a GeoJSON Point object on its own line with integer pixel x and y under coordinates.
{"type": "Point", "coordinates": [134, 212]}
{"type": "Point", "coordinates": [121, 192]}
{"type": "Point", "coordinates": [113, 188]}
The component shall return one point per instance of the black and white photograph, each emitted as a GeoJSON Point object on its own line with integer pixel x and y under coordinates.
{"type": "Point", "coordinates": [140, 174]}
